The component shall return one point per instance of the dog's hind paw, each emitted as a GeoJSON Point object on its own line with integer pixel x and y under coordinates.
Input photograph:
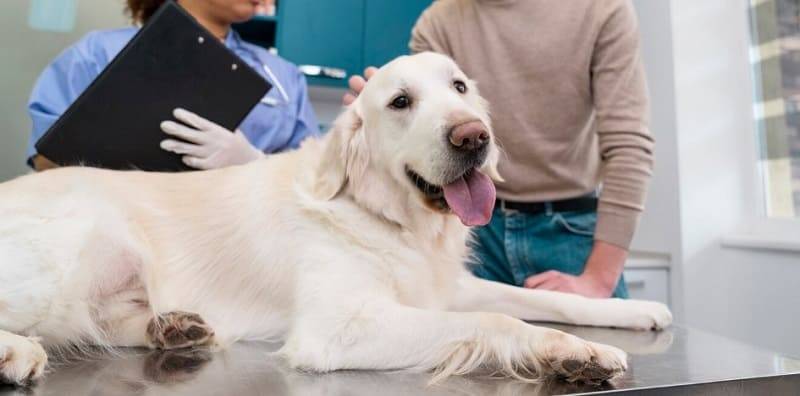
{"type": "Point", "coordinates": [175, 330]}
{"type": "Point", "coordinates": [22, 361]}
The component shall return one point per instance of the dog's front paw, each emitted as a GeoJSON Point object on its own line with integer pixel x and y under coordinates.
{"type": "Point", "coordinates": [579, 361]}
{"type": "Point", "coordinates": [623, 314]}
{"type": "Point", "coordinates": [643, 315]}
{"type": "Point", "coordinates": [175, 330]}
{"type": "Point", "coordinates": [22, 361]}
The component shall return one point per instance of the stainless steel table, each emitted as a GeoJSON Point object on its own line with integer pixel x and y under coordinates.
{"type": "Point", "coordinates": [676, 361]}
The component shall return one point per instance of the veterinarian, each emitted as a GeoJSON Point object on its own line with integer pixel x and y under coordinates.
{"type": "Point", "coordinates": [569, 104]}
{"type": "Point", "coordinates": [282, 119]}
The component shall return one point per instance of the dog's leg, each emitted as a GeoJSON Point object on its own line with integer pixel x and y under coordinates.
{"type": "Point", "coordinates": [128, 320]}
{"type": "Point", "coordinates": [22, 359]}
{"type": "Point", "coordinates": [387, 336]}
{"type": "Point", "coordinates": [474, 294]}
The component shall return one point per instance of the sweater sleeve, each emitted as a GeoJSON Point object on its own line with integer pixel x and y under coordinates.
{"type": "Point", "coordinates": [622, 111]}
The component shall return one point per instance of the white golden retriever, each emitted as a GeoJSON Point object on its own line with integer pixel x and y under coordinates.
{"type": "Point", "coordinates": [350, 250]}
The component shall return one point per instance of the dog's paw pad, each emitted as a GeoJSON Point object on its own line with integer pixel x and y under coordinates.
{"type": "Point", "coordinates": [581, 362]}
{"type": "Point", "coordinates": [175, 330]}
{"type": "Point", "coordinates": [571, 365]}
{"type": "Point", "coordinates": [575, 371]}
{"type": "Point", "coordinates": [22, 363]}
{"type": "Point", "coordinates": [594, 372]}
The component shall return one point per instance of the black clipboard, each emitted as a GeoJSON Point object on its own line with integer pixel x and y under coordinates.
{"type": "Point", "coordinates": [171, 62]}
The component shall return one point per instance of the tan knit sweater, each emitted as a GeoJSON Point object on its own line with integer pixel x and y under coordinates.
{"type": "Point", "coordinates": [568, 97]}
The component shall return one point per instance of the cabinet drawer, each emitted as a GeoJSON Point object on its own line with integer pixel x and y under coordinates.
{"type": "Point", "coordinates": [648, 284]}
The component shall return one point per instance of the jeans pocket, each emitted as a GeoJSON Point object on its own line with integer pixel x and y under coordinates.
{"type": "Point", "coordinates": [582, 224]}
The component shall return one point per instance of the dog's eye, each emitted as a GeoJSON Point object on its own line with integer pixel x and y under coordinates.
{"type": "Point", "coordinates": [400, 102]}
{"type": "Point", "coordinates": [460, 86]}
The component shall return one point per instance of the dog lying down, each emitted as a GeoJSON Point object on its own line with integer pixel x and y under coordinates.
{"type": "Point", "coordinates": [350, 250]}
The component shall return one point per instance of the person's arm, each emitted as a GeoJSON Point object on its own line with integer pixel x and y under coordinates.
{"type": "Point", "coordinates": [61, 82]}
{"type": "Point", "coordinates": [41, 163]}
{"type": "Point", "coordinates": [626, 148]}
{"type": "Point", "coordinates": [598, 280]}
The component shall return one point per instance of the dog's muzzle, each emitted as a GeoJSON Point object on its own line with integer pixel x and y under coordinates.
{"type": "Point", "coordinates": [468, 148]}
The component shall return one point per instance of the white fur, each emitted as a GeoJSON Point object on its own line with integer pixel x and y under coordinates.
{"type": "Point", "coordinates": [329, 248]}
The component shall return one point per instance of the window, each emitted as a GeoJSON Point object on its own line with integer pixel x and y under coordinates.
{"type": "Point", "coordinates": [775, 27]}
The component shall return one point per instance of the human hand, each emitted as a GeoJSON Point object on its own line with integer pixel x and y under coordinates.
{"type": "Point", "coordinates": [599, 279]}
{"type": "Point", "coordinates": [207, 145]}
{"type": "Point", "coordinates": [586, 284]}
{"type": "Point", "coordinates": [357, 84]}
{"type": "Point", "coordinates": [42, 163]}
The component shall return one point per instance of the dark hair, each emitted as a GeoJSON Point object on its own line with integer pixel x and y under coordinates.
{"type": "Point", "coordinates": [141, 10]}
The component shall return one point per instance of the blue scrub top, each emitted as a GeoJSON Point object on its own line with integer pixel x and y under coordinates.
{"type": "Point", "coordinates": [275, 124]}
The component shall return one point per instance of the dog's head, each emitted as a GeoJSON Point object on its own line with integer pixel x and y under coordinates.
{"type": "Point", "coordinates": [421, 130]}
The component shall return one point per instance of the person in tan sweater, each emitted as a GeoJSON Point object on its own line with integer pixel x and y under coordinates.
{"type": "Point", "coordinates": [569, 103]}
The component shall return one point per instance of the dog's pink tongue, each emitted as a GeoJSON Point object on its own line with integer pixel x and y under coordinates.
{"type": "Point", "coordinates": [471, 198]}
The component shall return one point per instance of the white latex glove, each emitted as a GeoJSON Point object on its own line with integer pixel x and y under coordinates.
{"type": "Point", "coordinates": [207, 145]}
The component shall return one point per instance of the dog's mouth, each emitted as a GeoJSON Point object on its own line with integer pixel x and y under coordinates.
{"type": "Point", "coordinates": [434, 195]}
{"type": "Point", "coordinates": [470, 196]}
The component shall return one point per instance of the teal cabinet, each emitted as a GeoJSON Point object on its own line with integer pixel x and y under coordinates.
{"type": "Point", "coordinates": [387, 28]}
{"type": "Point", "coordinates": [332, 40]}
{"type": "Point", "coordinates": [329, 34]}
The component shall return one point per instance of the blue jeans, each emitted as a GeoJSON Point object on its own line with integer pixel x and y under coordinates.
{"type": "Point", "coordinates": [516, 245]}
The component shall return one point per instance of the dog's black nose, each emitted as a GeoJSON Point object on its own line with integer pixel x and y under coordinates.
{"type": "Point", "coordinates": [469, 136]}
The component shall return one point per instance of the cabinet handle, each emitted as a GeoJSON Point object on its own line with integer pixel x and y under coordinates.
{"type": "Point", "coordinates": [324, 72]}
{"type": "Point", "coordinates": [638, 284]}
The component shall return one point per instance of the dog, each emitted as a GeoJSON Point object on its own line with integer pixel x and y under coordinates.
{"type": "Point", "coordinates": [349, 250]}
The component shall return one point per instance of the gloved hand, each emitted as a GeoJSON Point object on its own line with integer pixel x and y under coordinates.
{"type": "Point", "coordinates": [207, 145]}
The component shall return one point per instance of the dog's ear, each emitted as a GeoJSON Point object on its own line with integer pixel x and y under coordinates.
{"type": "Point", "coordinates": [344, 155]}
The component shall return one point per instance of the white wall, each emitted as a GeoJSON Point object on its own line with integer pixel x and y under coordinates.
{"type": "Point", "coordinates": [660, 225]}
{"type": "Point", "coordinates": [750, 295]}
{"type": "Point", "coordinates": [25, 52]}
{"type": "Point", "coordinates": [663, 196]}
{"type": "Point", "coordinates": [701, 49]}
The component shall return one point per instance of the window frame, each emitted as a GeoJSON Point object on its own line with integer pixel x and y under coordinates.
{"type": "Point", "coordinates": [760, 230]}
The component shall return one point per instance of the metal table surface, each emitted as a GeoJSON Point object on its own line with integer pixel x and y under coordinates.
{"type": "Point", "coordinates": [678, 360]}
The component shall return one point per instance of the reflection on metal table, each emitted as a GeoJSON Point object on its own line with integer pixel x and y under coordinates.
{"type": "Point", "coordinates": [677, 360]}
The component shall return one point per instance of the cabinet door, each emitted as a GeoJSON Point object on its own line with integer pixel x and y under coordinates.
{"type": "Point", "coordinates": [322, 33]}
{"type": "Point", "coordinates": [388, 27]}
{"type": "Point", "coordinates": [648, 284]}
